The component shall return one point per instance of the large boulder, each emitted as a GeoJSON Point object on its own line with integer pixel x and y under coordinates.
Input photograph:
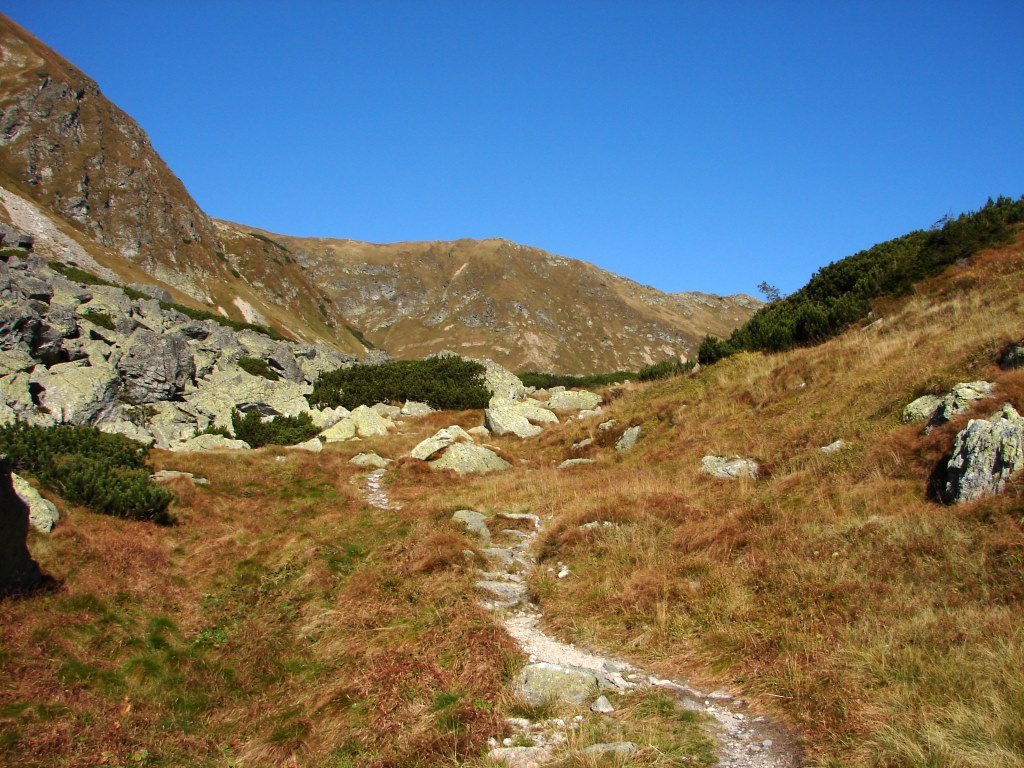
{"type": "Point", "coordinates": [628, 439]}
{"type": "Point", "coordinates": [504, 416]}
{"type": "Point", "coordinates": [369, 423]}
{"type": "Point", "coordinates": [467, 458]}
{"type": "Point", "coordinates": [155, 366]}
{"type": "Point", "coordinates": [543, 683]}
{"type": "Point", "coordinates": [277, 354]}
{"type": "Point", "coordinates": [230, 387]}
{"type": "Point", "coordinates": [77, 394]}
{"type": "Point", "coordinates": [729, 467]}
{"type": "Point", "coordinates": [18, 571]}
{"type": "Point", "coordinates": [413, 408]}
{"type": "Point", "coordinates": [574, 400]}
{"type": "Point", "coordinates": [986, 453]}
{"type": "Point", "coordinates": [501, 382]}
{"type": "Point", "coordinates": [42, 514]}
{"type": "Point", "coordinates": [344, 429]}
{"type": "Point", "coordinates": [921, 409]}
{"type": "Point", "coordinates": [439, 441]}
{"type": "Point", "coordinates": [474, 522]}
{"type": "Point", "coordinates": [172, 423]}
{"type": "Point", "coordinates": [369, 461]}
{"type": "Point", "coordinates": [960, 398]}
{"type": "Point", "coordinates": [323, 418]}
{"type": "Point", "coordinates": [19, 326]}
{"type": "Point", "coordinates": [319, 358]}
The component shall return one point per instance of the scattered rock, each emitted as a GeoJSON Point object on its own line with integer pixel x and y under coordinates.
{"type": "Point", "coordinates": [369, 461]}
{"type": "Point", "coordinates": [604, 426]}
{"type": "Point", "coordinates": [921, 409]}
{"type": "Point", "coordinates": [574, 399]}
{"type": "Point", "coordinates": [729, 467]}
{"type": "Point", "coordinates": [602, 705]}
{"type": "Point", "coordinates": [618, 749]}
{"type": "Point", "coordinates": [439, 441]}
{"type": "Point", "coordinates": [628, 439]}
{"type": "Point", "coordinates": [313, 445]}
{"type": "Point", "coordinates": [325, 418]}
{"type": "Point", "coordinates": [482, 432]}
{"type": "Point", "coordinates": [986, 453]}
{"type": "Point", "coordinates": [413, 408]}
{"type": "Point", "coordinates": [465, 458]}
{"type": "Point", "coordinates": [210, 443]}
{"type": "Point", "coordinates": [1013, 357]}
{"type": "Point", "coordinates": [387, 411]}
{"type": "Point", "coordinates": [583, 444]}
{"type": "Point", "coordinates": [521, 419]}
{"type": "Point", "coordinates": [570, 463]}
{"type": "Point", "coordinates": [42, 514]}
{"type": "Point", "coordinates": [543, 682]}
{"type": "Point", "coordinates": [835, 447]}
{"type": "Point", "coordinates": [501, 382]}
{"type": "Point", "coordinates": [345, 429]}
{"type": "Point", "coordinates": [473, 521]}
{"type": "Point", "coordinates": [229, 388]}
{"type": "Point", "coordinates": [369, 423]}
{"type": "Point", "coordinates": [521, 757]}
{"type": "Point", "coordinates": [588, 413]}
{"type": "Point", "coordinates": [18, 571]}
{"type": "Point", "coordinates": [168, 475]}
{"type": "Point", "coordinates": [960, 398]}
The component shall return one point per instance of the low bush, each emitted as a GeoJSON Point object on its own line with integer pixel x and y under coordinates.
{"type": "Point", "coordinates": [106, 473]}
{"type": "Point", "coordinates": [281, 430]}
{"type": "Point", "coordinates": [447, 382]}
{"type": "Point", "coordinates": [841, 293]}
{"type": "Point", "coordinates": [548, 380]}
{"type": "Point", "coordinates": [101, 319]}
{"type": "Point", "coordinates": [670, 367]}
{"type": "Point", "coordinates": [258, 367]}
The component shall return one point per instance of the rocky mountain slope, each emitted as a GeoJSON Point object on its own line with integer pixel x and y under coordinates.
{"type": "Point", "coordinates": [73, 162]}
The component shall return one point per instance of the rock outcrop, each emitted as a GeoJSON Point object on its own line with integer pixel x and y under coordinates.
{"type": "Point", "coordinates": [440, 440]}
{"type": "Point", "coordinates": [18, 571]}
{"type": "Point", "coordinates": [986, 453]}
{"type": "Point", "coordinates": [467, 458]}
{"type": "Point", "coordinates": [938, 410]}
{"type": "Point", "coordinates": [42, 514]}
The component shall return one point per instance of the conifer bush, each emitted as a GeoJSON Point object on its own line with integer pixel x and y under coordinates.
{"type": "Point", "coordinates": [446, 382]}
{"type": "Point", "coordinates": [106, 473]}
{"type": "Point", "coordinates": [258, 367]}
{"type": "Point", "coordinates": [281, 430]}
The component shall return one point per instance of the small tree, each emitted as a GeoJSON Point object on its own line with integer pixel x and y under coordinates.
{"type": "Point", "coordinates": [770, 292]}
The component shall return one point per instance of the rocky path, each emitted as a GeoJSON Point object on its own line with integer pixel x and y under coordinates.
{"type": "Point", "coordinates": [579, 676]}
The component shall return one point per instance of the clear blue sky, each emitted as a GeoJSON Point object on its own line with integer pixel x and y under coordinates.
{"type": "Point", "coordinates": [701, 145]}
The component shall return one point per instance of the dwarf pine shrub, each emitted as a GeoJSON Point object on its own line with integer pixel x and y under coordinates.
{"type": "Point", "coordinates": [106, 473]}
{"type": "Point", "coordinates": [281, 430]}
{"type": "Point", "coordinates": [257, 366]}
{"type": "Point", "coordinates": [446, 382]}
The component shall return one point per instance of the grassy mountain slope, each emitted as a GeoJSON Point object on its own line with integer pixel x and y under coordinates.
{"type": "Point", "coordinates": [886, 627]}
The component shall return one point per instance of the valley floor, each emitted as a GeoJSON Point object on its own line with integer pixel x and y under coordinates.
{"type": "Point", "coordinates": [286, 621]}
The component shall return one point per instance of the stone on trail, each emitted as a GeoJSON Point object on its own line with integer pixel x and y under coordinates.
{"type": "Point", "coordinates": [544, 682]}
{"type": "Point", "coordinates": [439, 441]}
{"type": "Point", "coordinates": [369, 461]}
{"type": "Point", "coordinates": [619, 749]}
{"type": "Point", "coordinates": [628, 439]}
{"type": "Point", "coordinates": [42, 514]}
{"type": "Point", "coordinates": [521, 757]}
{"type": "Point", "coordinates": [986, 453]}
{"type": "Point", "coordinates": [466, 458]}
{"type": "Point", "coordinates": [472, 521]}
{"type": "Point", "coordinates": [729, 467]}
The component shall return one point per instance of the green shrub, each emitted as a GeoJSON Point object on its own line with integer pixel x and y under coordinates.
{"type": "Point", "coordinates": [359, 336]}
{"type": "Point", "coordinates": [841, 293]}
{"type": "Point", "coordinates": [664, 369]}
{"type": "Point", "coordinates": [447, 383]}
{"type": "Point", "coordinates": [549, 380]}
{"type": "Point", "coordinates": [268, 240]}
{"type": "Point", "coordinates": [102, 319]}
{"type": "Point", "coordinates": [713, 349]}
{"type": "Point", "coordinates": [104, 472]}
{"type": "Point", "coordinates": [281, 430]}
{"type": "Point", "coordinates": [258, 367]}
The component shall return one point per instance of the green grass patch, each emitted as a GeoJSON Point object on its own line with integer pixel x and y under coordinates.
{"type": "Point", "coordinates": [258, 367]}
{"type": "Point", "coordinates": [102, 319]}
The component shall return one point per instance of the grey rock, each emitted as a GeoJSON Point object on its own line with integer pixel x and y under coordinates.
{"type": "Point", "coordinates": [602, 706]}
{"type": "Point", "coordinates": [570, 463]}
{"type": "Point", "coordinates": [481, 431]}
{"type": "Point", "coordinates": [323, 418]}
{"type": "Point", "coordinates": [387, 411]}
{"type": "Point", "coordinates": [729, 467]}
{"type": "Point", "coordinates": [960, 399]}
{"type": "Point", "coordinates": [313, 445]}
{"type": "Point", "coordinates": [413, 408]}
{"type": "Point", "coordinates": [628, 439]}
{"type": "Point", "coordinates": [1013, 357]}
{"type": "Point", "coordinates": [618, 749]}
{"type": "Point", "coordinates": [210, 443]}
{"type": "Point", "coordinates": [439, 441]}
{"type": "Point", "coordinates": [42, 514]}
{"type": "Point", "coordinates": [15, 360]}
{"type": "Point", "coordinates": [18, 571]}
{"type": "Point", "coordinates": [574, 399]}
{"type": "Point", "coordinates": [19, 326]}
{"type": "Point", "coordinates": [170, 475]}
{"type": "Point", "coordinates": [77, 394]}
{"type": "Point", "coordinates": [543, 682]}
{"type": "Point", "coordinates": [172, 423]}
{"type": "Point", "coordinates": [473, 521]}
{"type": "Point", "coordinates": [604, 426]}
{"type": "Point", "coordinates": [465, 458]}
{"type": "Point", "coordinates": [153, 291]}
{"type": "Point", "coordinates": [583, 444]}
{"type": "Point", "coordinates": [231, 387]}
{"type": "Point", "coordinates": [833, 447]}
{"type": "Point", "coordinates": [155, 366]}
{"type": "Point", "coordinates": [344, 429]}
{"type": "Point", "coordinates": [986, 453]}
{"type": "Point", "coordinates": [503, 417]}
{"type": "Point", "coordinates": [521, 757]}
{"type": "Point", "coordinates": [921, 409]}
{"type": "Point", "coordinates": [501, 382]}
{"type": "Point", "coordinates": [369, 461]}
{"type": "Point", "coordinates": [504, 594]}
{"type": "Point", "coordinates": [369, 423]}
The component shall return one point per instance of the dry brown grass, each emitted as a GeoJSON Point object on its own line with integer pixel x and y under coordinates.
{"type": "Point", "coordinates": [883, 626]}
